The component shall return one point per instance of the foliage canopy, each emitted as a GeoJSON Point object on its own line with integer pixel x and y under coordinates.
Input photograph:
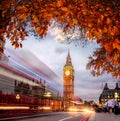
{"type": "Point", "coordinates": [99, 18]}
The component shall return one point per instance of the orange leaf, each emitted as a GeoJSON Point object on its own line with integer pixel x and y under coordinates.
{"type": "Point", "coordinates": [116, 44]}
{"type": "Point", "coordinates": [21, 45]}
{"type": "Point", "coordinates": [50, 15]}
{"type": "Point", "coordinates": [35, 20]}
{"type": "Point", "coordinates": [75, 21]}
{"type": "Point", "coordinates": [16, 45]}
{"type": "Point", "coordinates": [115, 29]}
{"type": "Point", "coordinates": [108, 21]}
{"type": "Point", "coordinates": [118, 47]}
{"type": "Point", "coordinates": [89, 35]}
{"type": "Point", "coordinates": [12, 38]}
{"type": "Point", "coordinates": [101, 17]}
{"type": "Point", "coordinates": [97, 33]}
{"type": "Point", "coordinates": [84, 12]}
{"type": "Point", "coordinates": [16, 39]}
{"type": "Point", "coordinates": [115, 57]}
{"type": "Point", "coordinates": [39, 1]}
{"type": "Point", "coordinates": [107, 47]}
{"type": "Point", "coordinates": [22, 38]}
{"type": "Point", "coordinates": [108, 58]}
{"type": "Point", "coordinates": [59, 3]}
{"type": "Point", "coordinates": [19, 7]}
{"type": "Point", "coordinates": [90, 25]}
{"type": "Point", "coordinates": [64, 9]}
{"type": "Point", "coordinates": [105, 30]}
{"type": "Point", "coordinates": [22, 16]}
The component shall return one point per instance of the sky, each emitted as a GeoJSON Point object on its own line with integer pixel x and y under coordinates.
{"type": "Point", "coordinates": [53, 53]}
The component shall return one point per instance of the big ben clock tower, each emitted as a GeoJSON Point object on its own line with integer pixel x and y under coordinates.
{"type": "Point", "coordinates": [68, 85]}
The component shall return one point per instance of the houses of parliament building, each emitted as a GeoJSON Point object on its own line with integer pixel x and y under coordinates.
{"type": "Point", "coordinates": [110, 94]}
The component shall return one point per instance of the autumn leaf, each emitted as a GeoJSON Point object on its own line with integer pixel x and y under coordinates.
{"type": "Point", "coordinates": [64, 9]}
{"type": "Point", "coordinates": [108, 21]}
{"type": "Point", "coordinates": [116, 44]}
{"type": "Point", "coordinates": [22, 37]}
{"type": "Point", "coordinates": [101, 17]}
{"type": "Point", "coordinates": [19, 8]}
{"type": "Point", "coordinates": [48, 16]}
{"type": "Point", "coordinates": [75, 21]}
{"type": "Point", "coordinates": [21, 45]}
{"type": "Point", "coordinates": [97, 32]}
{"type": "Point", "coordinates": [23, 16]}
{"type": "Point", "coordinates": [12, 38]}
{"type": "Point", "coordinates": [107, 47]}
{"type": "Point", "coordinates": [89, 35]}
{"type": "Point", "coordinates": [35, 19]}
{"type": "Point", "coordinates": [108, 58]}
{"type": "Point", "coordinates": [16, 45]}
{"type": "Point", "coordinates": [39, 1]}
{"type": "Point", "coordinates": [16, 38]}
{"type": "Point", "coordinates": [118, 47]}
{"type": "Point", "coordinates": [115, 57]}
{"type": "Point", "coordinates": [105, 30]}
{"type": "Point", "coordinates": [59, 3]}
{"type": "Point", "coordinates": [84, 12]}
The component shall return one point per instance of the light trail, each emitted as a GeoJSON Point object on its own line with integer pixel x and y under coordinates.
{"type": "Point", "coordinates": [23, 64]}
{"type": "Point", "coordinates": [65, 118]}
{"type": "Point", "coordinates": [14, 107]}
{"type": "Point", "coordinates": [46, 71]}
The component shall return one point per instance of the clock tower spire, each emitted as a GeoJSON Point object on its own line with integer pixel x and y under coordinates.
{"type": "Point", "coordinates": [68, 60]}
{"type": "Point", "coordinates": [68, 86]}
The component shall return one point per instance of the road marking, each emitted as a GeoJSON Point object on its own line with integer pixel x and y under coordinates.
{"type": "Point", "coordinates": [77, 115]}
{"type": "Point", "coordinates": [84, 118]}
{"type": "Point", "coordinates": [65, 118]}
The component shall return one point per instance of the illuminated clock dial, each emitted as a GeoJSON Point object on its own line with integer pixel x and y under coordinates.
{"type": "Point", "coordinates": [67, 73]}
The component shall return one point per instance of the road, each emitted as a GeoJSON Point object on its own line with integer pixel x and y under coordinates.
{"type": "Point", "coordinates": [57, 116]}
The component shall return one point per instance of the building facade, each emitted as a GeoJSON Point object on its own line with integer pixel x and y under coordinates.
{"type": "Point", "coordinates": [68, 86]}
{"type": "Point", "coordinates": [110, 94]}
{"type": "Point", "coordinates": [19, 89]}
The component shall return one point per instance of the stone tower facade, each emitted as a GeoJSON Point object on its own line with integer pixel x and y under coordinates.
{"type": "Point", "coordinates": [68, 85]}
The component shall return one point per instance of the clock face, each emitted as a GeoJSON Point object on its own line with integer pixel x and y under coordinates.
{"type": "Point", "coordinates": [67, 73]}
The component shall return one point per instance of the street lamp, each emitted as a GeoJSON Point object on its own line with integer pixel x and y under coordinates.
{"type": "Point", "coordinates": [17, 97]}
{"type": "Point", "coordinates": [116, 95]}
{"type": "Point", "coordinates": [52, 105]}
{"type": "Point", "coordinates": [64, 107]}
{"type": "Point", "coordinates": [47, 95]}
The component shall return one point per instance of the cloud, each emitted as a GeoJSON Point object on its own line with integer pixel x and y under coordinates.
{"type": "Point", "coordinates": [56, 32]}
{"type": "Point", "coordinates": [60, 50]}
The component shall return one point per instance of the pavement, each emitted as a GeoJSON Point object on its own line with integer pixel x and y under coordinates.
{"type": "Point", "coordinates": [104, 117]}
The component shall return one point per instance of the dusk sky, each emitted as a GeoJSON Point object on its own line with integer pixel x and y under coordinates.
{"type": "Point", "coordinates": [53, 54]}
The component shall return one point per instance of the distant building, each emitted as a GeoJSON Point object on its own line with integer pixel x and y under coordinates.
{"type": "Point", "coordinates": [78, 101]}
{"type": "Point", "coordinates": [110, 94]}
